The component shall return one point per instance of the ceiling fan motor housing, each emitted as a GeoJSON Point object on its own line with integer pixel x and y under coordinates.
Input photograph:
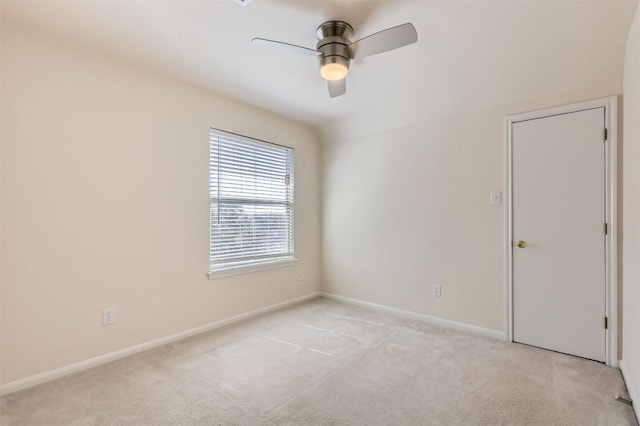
{"type": "Point", "coordinates": [334, 43]}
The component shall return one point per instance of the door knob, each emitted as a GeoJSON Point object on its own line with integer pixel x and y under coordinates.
{"type": "Point", "coordinates": [521, 244]}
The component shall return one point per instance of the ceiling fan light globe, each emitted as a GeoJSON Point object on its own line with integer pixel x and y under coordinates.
{"type": "Point", "coordinates": [334, 71]}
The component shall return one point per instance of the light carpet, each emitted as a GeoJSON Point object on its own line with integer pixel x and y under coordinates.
{"type": "Point", "coordinates": [328, 363]}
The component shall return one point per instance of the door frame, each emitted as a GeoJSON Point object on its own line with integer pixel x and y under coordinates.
{"type": "Point", "coordinates": [610, 105]}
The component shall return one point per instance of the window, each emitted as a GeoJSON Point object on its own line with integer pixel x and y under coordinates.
{"type": "Point", "coordinates": [251, 202]}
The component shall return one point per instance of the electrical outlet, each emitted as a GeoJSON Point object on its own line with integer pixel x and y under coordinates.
{"type": "Point", "coordinates": [108, 316]}
{"type": "Point", "coordinates": [300, 276]}
{"type": "Point", "coordinates": [436, 290]}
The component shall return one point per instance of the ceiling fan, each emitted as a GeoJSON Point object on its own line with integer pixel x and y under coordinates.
{"type": "Point", "coordinates": [335, 51]}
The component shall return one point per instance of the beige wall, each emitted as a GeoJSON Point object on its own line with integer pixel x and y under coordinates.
{"type": "Point", "coordinates": [105, 203]}
{"type": "Point", "coordinates": [408, 207]}
{"type": "Point", "coordinates": [631, 213]}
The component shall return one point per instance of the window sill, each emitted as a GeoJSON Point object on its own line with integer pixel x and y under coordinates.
{"type": "Point", "coordinates": [214, 275]}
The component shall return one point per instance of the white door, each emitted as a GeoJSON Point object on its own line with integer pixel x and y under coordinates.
{"type": "Point", "coordinates": [558, 213]}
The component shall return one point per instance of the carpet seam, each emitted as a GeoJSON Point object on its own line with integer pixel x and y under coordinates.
{"type": "Point", "coordinates": [326, 377]}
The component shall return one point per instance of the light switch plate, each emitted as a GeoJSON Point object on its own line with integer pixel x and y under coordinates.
{"type": "Point", "coordinates": [495, 198]}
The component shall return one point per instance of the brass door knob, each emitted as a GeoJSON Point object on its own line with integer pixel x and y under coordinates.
{"type": "Point", "coordinates": [521, 244]}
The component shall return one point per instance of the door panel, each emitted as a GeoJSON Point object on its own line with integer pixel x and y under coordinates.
{"type": "Point", "coordinates": [559, 211]}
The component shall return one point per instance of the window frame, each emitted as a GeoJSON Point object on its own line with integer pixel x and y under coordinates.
{"type": "Point", "coordinates": [262, 262]}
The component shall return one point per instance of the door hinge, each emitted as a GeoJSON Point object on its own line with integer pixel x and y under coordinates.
{"type": "Point", "coordinates": [606, 134]}
{"type": "Point", "coordinates": [606, 323]}
{"type": "Point", "coordinates": [606, 228]}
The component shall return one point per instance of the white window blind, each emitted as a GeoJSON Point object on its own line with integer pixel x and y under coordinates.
{"type": "Point", "coordinates": [251, 201]}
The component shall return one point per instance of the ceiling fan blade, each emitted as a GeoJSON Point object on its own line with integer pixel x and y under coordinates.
{"type": "Point", "coordinates": [337, 87]}
{"type": "Point", "coordinates": [385, 40]}
{"type": "Point", "coordinates": [284, 46]}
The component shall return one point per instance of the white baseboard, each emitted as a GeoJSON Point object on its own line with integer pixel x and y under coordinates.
{"type": "Point", "coordinates": [420, 317]}
{"type": "Point", "coordinates": [633, 396]}
{"type": "Point", "coordinates": [122, 353]}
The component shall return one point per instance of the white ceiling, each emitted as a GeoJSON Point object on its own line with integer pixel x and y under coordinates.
{"type": "Point", "coordinates": [469, 53]}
